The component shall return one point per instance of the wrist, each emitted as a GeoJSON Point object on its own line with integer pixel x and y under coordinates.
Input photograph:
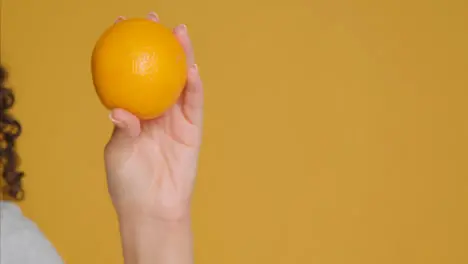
{"type": "Point", "coordinates": [154, 240]}
{"type": "Point", "coordinates": [161, 224]}
{"type": "Point", "coordinates": [153, 213]}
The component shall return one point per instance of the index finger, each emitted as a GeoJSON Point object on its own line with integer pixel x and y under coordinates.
{"type": "Point", "coordinates": [181, 34]}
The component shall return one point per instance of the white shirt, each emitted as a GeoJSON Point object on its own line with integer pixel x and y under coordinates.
{"type": "Point", "coordinates": [21, 241]}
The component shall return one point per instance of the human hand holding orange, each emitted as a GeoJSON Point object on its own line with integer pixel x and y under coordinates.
{"type": "Point", "coordinates": [151, 164]}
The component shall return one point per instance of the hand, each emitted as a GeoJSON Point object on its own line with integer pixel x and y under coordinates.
{"type": "Point", "coordinates": [151, 165]}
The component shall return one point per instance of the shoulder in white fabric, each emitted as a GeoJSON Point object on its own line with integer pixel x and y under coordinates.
{"type": "Point", "coordinates": [21, 241]}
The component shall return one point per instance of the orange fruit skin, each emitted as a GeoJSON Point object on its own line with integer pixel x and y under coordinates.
{"type": "Point", "coordinates": [140, 66]}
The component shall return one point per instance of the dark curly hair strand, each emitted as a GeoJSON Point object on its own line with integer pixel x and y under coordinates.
{"type": "Point", "coordinates": [10, 129]}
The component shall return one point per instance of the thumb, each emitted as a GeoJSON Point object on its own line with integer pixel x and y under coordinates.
{"type": "Point", "coordinates": [127, 126]}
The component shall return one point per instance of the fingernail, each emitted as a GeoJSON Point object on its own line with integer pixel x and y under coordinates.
{"type": "Point", "coordinates": [183, 28]}
{"type": "Point", "coordinates": [120, 18]}
{"type": "Point", "coordinates": [194, 68]}
{"type": "Point", "coordinates": [153, 15]}
{"type": "Point", "coordinates": [113, 120]}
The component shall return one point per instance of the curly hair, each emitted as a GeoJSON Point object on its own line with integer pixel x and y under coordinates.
{"type": "Point", "coordinates": [10, 129]}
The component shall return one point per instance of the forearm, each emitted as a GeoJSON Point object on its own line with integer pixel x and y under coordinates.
{"type": "Point", "coordinates": [149, 241]}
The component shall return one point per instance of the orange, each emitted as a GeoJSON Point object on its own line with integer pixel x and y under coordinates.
{"type": "Point", "coordinates": [139, 65]}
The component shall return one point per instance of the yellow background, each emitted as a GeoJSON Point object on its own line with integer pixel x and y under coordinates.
{"type": "Point", "coordinates": [336, 131]}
